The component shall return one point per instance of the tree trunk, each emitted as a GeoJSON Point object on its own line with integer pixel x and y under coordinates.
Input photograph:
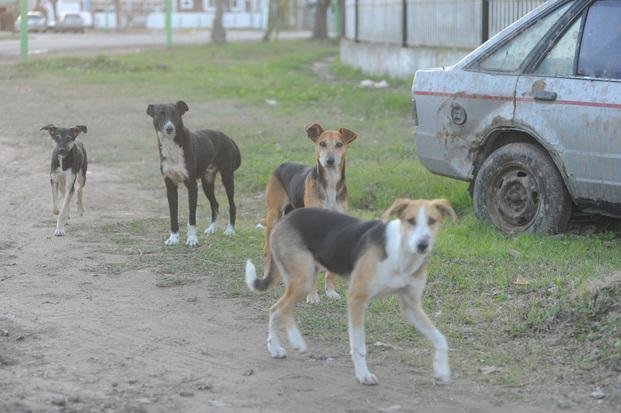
{"type": "Point", "coordinates": [54, 9]}
{"type": "Point", "coordinates": [271, 20]}
{"type": "Point", "coordinates": [117, 11]}
{"type": "Point", "coordinates": [218, 33]}
{"type": "Point", "coordinates": [320, 29]}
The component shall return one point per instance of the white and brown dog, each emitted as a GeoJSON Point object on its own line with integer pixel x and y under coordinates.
{"type": "Point", "coordinates": [382, 258]}
{"type": "Point", "coordinates": [294, 185]}
{"type": "Point", "coordinates": [68, 168]}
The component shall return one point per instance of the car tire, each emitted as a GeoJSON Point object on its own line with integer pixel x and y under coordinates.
{"type": "Point", "coordinates": [518, 188]}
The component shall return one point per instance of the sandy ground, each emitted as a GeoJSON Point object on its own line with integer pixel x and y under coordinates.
{"type": "Point", "coordinates": [74, 337]}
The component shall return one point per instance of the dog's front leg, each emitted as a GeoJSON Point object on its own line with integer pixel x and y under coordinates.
{"type": "Point", "coordinates": [410, 301]}
{"type": "Point", "coordinates": [81, 179]}
{"type": "Point", "coordinates": [64, 213]}
{"type": "Point", "coordinates": [192, 239]}
{"type": "Point", "coordinates": [171, 193]}
{"type": "Point", "coordinates": [54, 185]}
{"type": "Point", "coordinates": [356, 306]}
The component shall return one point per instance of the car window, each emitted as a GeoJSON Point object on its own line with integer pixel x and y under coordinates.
{"type": "Point", "coordinates": [600, 50]}
{"type": "Point", "coordinates": [510, 56]}
{"type": "Point", "coordinates": [560, 60]}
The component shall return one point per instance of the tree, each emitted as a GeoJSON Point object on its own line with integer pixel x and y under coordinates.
{"type": "Point", "coordinates": [117, 10]}
{"type": "Point", "coordinates": [320, 29]}
{"type": "Point", "coordinates": [276, 17]}
{"type": "Point", "coordinates": [218, 33]}
{"type": "Point", "coordinates": [54, 9]}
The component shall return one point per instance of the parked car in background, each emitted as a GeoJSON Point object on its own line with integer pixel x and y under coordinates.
{"type": "Point", "coordinates": [70, 22]}
{"type": "Point", "coordinates": [36, 22]}
{"type": "Point", "coordinates": [532, 118]}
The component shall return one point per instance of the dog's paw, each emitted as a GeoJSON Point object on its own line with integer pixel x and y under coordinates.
{"type": "Point", "coordinates": [192, 241]}
{"type": "Point", "coordinates": [442, 380]}
{"type": "Point", "coordinates": [277, 352]}
{"type": "Point", "coordinates": [312, 298]}
{"type": "Point", "coordinates": [55, 211]}
{"type": "Point", "coordinates": [211, 229]}
{"type": "Point", "coordinates": [59, 232]}
{"type": "Point", "coordinates": [230, 230]}
{"type": "Point", "coordinates": [296, 340]}
{"type": "Point", "coordinates": [333, 295]}
{"type": "Point", "coordinates": [80, 212]}
{"type": "Point", "coordinates": [368, 379]}
{"type": "Point", "coordinates": [173, 239]}
{"type": "Point", "coordinates": [442, 376]}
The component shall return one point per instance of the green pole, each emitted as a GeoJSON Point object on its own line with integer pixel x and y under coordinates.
{"type": "Point", "coordinates": [169, 6]}
{"type": "Point", "coordinates": [23, 29]}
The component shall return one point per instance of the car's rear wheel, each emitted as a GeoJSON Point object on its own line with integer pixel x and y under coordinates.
{"type": "Point", "coordinates": [518, 188]}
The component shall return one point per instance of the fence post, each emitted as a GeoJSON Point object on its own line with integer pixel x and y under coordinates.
{"type": "Point", "coordinates": [356, 21]}
{"type": "Point", "coordinates": [484, 20]}
{"type": "Point", "coordinates": [23, 30]}
{"type": "Point", "coordinates": [404, 24]}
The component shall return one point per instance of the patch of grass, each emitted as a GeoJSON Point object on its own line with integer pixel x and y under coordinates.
{"type": "Point", "coordinates": [471, 293]}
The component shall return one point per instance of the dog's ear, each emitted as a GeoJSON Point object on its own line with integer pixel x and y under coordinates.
{"type": "Point", "coordinates": [313, 131]}
{"type": "Point", "coordinates": [396, 208]}
{"type": "Point", "coordinates": [182, 107]}
{"type": "Point", "coordinates": [150, 110]}
{"type": "Point", "coordinates": [75, 131]}
{"type": "Point", "coordinates": [348, 135]}
{"type": "Point", "coordinates": [50, 128]}
{"type": "Point", "coordinates": [444, 207]}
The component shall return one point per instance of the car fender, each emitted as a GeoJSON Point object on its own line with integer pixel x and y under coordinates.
{"type": "Point", "coordinates": [503, 131]}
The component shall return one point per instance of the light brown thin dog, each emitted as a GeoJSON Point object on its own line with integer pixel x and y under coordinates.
{"type": "Point", "coordinates": [295, 185]}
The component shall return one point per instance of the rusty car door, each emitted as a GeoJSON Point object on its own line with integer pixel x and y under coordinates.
{"type": "Point", "coordinates": [572, 101]}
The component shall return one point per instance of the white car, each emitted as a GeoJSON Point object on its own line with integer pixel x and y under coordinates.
{"type": "Point", "coordinates": [36, 22]}
{"type": "Point", "coordinates": [70, 22]}
{"type": "Point", "coordinates": [532, 118]}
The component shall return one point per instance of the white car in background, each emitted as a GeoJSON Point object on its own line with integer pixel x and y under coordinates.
{"type": "Point", "coordinates": [36, 22]}
{"type": "Point", "coordinates": [532, 118]}
{"type": "Point", "coordinates": [70, 22]}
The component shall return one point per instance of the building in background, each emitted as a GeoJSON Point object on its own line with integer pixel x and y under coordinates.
{"type": "Point", "coordinates": [150, 14]}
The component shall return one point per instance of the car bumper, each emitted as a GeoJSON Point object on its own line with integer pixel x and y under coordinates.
{"type": "Point", "coordinates": [448, 159]}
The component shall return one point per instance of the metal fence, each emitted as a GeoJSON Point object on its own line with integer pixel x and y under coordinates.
{"type": "Point", "coordinates": [437, 23]}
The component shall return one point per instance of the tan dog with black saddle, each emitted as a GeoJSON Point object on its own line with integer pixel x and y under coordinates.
{"type": "Point", "coordinates": [294, 185]}
{"type": "Point", "coordinates": [379, 257]}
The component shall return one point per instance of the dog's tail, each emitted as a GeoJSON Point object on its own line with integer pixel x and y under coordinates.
{"type": "Point", "coordinates": [260, 284]}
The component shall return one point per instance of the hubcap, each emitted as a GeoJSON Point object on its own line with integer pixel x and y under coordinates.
{"type": "Point", "coordinates": [514, 198]}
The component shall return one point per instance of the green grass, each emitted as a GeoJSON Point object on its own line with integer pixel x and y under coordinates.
{"type": "Point", "coordinates": [471, 293]}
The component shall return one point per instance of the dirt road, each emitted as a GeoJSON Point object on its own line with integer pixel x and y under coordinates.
{"type": "Point", "coordinates": [77, 336]}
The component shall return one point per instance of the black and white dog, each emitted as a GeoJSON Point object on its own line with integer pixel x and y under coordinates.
{"type": "Point", "coordinates": [68, 167]}
{"type": "Point", "coordinates": [187, 156]}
